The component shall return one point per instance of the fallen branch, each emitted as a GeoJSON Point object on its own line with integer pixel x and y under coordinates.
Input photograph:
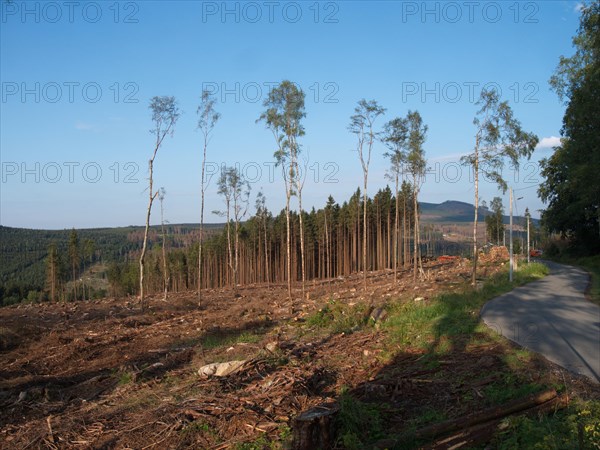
{"type": "Point", "coordinates": [482, 433]}
{"type": "Point", "coordinates": [487, 415]}
{"type": "Point", "coordinates": [50, 433]}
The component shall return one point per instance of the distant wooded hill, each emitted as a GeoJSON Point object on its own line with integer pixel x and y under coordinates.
{"type": "Point", "coordinates": [452, 211]}
{"type": "Point", "coordinates": [23, 251]}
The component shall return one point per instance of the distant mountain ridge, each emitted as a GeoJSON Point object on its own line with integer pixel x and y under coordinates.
{"type": "Point", "coordinates": [454, 211]}
{"type": "Point", "coordinates": [446, 212]}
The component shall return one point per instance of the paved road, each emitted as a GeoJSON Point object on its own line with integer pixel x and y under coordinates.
{"type": "Point", "coordinates": [552, 317]}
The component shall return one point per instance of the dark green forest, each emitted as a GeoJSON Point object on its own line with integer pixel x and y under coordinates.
{"type": "Point", "coordinates": [24, 253]}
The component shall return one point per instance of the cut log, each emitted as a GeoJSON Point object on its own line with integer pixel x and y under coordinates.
{"type": "Point", "coordinates": [486, 415]}
{"type": "Point", "coordinates": [468, 438]}
{"type": "Point", "coordinates": [482, 433]}
{"type": "Point", "coordinates": [315, 428]}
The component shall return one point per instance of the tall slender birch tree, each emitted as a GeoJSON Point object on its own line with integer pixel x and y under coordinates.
{"type": "Point", "coordinates": [236, 192]}
{"type": "Point", "coordinates": [165, 114]}
{"type": "Point", "coordinates": [395, 138]}
{"type": "Point", "coordinates": [499, 136]}
{"type": "Point", "coordinates": [416, 165]}
{"type": "Point", "coordinates": [283, 117]}
{"type": "Point", "coordinates": [207, 120]}
{"type": "Point", "coordinates": [362, 125]}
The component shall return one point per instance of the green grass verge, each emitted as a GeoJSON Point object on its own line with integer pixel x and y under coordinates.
{"type": "Point", "coordinates": [592, 265]}
{"type": "Point", "coordinates": [576, 427]}
{"type": "Point", "coordinates": [433, 325]}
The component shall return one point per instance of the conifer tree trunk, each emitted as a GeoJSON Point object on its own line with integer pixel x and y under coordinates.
{"type": "Point", "coordinates": [164, 250]}
{"type": "Point", "coordinates": [267, 260]}
{"type": "Point", "coordinates": [299, 185]}
{"type": "Point", "coordinates": [396, 232]}
{"type": "Point", "coordinates": [416, 232]}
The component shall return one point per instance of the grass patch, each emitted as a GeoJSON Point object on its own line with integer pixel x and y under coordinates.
{"type": "Point", "coordinates": [590, 264]}
{"type": "Point", "coordinates": [339, 318]}
{"type": "Point", "coordinates": [216, 340]}
{"type": "Point", "coordinates": [358, 423]}
{"type": "Point", "coordinates": [260, 443]}
{"type": "Point", "coordinates": [510, 388]}
{"type": "Point", "coordinates": [197, 427]}
{"type": "Point", "coordinates": [263, 442]}
{"type": "Point", "coordinates": [429, 415]}
{"type": "Point", "coordinates": [518, 359]}
{"type": "Point", "coordinates": [125, 378]}
{"type": "Point", "coordinates": [576, 427]}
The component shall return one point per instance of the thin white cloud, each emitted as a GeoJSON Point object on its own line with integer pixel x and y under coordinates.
{"type": "Point", "coordinates": [83, 126]}
{"type": "Point", "coordinates": [549, 142]}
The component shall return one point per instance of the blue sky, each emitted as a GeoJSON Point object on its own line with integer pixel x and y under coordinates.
{"type": "Point", "coordinates": [77, 78]}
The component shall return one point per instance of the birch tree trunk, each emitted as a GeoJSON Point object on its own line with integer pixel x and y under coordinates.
{"type": "Point", "coordinates": [476, 203]}
{"type": "Point", "coordinates": [151, 197]}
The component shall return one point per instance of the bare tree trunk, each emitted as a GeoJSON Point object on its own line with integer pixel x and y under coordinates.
{"type": "Point", "coordinates": [302, 242]}
{"type": "Point", "coordinates": [419, 256]}
{"type": "Point", "coordinates": [415, 231]}
{"type": "Point", "coordinates": [164, 251]}
{"type": "Point", "coordinates": [266, 252]}
{"type": "Point", "coordinates": [389, 233]}
{"type": "Point", "coordinates": [327, 271]}
{"type": "Point", "coordinates": [288, 243]}
{"type": "Point", "coordinates": [404, 234]}
{"type": "Point", "coordinates": [299, 186]}
{"type": "Point", "coordinates": [236, 255]}
{"type": "Point", "coordinates": [203, 190]}
{"type": "Point", "coordinates": [229, 250]}
{"type": "Point", "coordinates": [357, 242]}
{"type": "Point", "coordinates": [83, 280]}
{"type": "Point", "coordinates": [53, 277]}
{"type": "Point", "coordinates": [476, 174]}
{"type": "Point", "coordinates": [53, 280]}
{"type": "Point", "coordinates": [396, 233]}
{"type": "Point", "coordinates": [151, 197]}
{"type": "Point", "coordinates": [364, 249]}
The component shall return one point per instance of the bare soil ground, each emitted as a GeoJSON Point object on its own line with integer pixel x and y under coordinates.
{"type": "Point", "coordinates": [103, 374]}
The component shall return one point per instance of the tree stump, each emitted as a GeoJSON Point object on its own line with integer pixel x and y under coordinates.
{"type": "Point", "coordinates": [315, 428]}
